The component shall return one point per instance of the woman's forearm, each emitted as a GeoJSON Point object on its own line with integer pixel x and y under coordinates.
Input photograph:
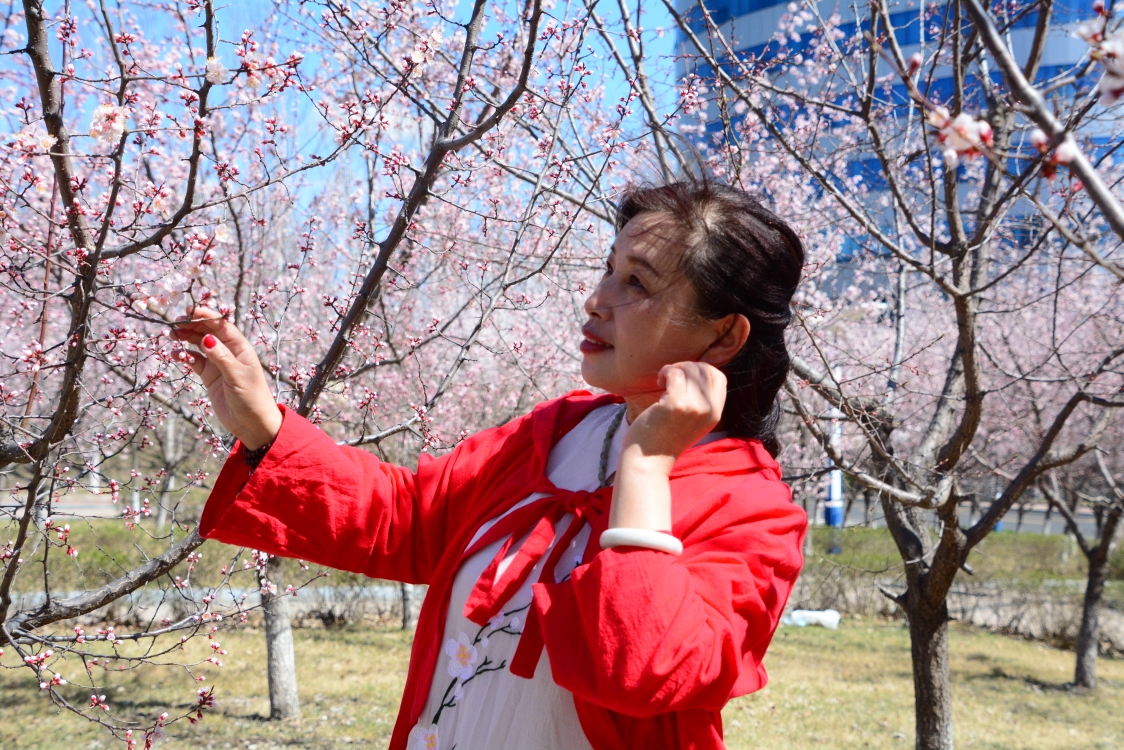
{"type": "Point", "coordinates": [642, 491]}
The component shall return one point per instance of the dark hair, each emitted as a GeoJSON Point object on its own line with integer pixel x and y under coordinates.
{"type": "Point", "coordinates": [740, 257]}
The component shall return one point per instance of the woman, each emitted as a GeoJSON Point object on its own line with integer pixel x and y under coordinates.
{"type": "Point", "coordinates": [605, 572]}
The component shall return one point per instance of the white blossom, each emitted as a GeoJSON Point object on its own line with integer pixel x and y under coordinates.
{"type": "Point", "coordinates": [462, 656]}
{"type": "Point", "coordinates": [1092, 30]}
{"type": "Point", "coordinates": [1111, 87]}
{"type": "Point", "coordinates": [1111, 55]}
{"type": "Point", "coordinates": [960, 135]}
{"type": "Point", "coordinates": [1065, 152]}
{"type": "Point", "coordinates": [223, 235]}
{"type": "Point", "coordinates": [426, 49]}
{"type": "Point", "coordinates": [422, 738]}
{"type": "Point", "coordinates": [108, 123]}
{"type": "Point", "coordinates": [34, 138]}
{"type": "Point", "coordinates": [216, 71]}
{"type": "Point", "coordinates": [1040, 141]}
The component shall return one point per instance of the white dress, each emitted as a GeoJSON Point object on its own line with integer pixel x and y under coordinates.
{"type": "Point", "coordinates": [475, 702]}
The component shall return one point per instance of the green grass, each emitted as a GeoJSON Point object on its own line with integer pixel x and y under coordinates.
{"type": "Point", "coordinates": [1004, 555]}
{"type": "Point", "coordinates": [107, 549]}
{"type": "Point", "coordinates": [849, 688]}
{"type": "Point", "coordinates": [852, 688]}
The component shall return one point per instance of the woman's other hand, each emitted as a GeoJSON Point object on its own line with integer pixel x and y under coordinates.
{"type": "Point", "coordinates": [229, 368]}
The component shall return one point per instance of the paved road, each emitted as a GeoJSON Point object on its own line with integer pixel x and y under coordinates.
{"type": "Point", "coordinates": [85, 504]}
{"type": "Point", "coordinates": [1034, 519]}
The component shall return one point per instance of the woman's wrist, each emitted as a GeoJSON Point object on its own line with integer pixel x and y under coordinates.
{"type": "Point", "coordinates": [635, 461]}
{"type": "Point", "coordinates": [641, 492]}
{"type": "Point", "coordinates": [646, 538]}
{"type": "Point", "coordinates": [263, 433]}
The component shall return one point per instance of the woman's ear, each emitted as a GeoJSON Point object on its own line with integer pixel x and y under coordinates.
{"type": "Point", "coordinates": [731, 333]}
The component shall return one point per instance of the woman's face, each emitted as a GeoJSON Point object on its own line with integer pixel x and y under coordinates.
{"type": "Point", "coordinates": [642, 314]}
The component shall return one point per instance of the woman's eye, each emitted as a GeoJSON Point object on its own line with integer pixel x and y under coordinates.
{"type": "Point", "coordinates": [635, 281]}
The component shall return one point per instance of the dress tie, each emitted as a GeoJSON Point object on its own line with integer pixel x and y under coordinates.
{"type": "Point", "coordinates": [539, 517]}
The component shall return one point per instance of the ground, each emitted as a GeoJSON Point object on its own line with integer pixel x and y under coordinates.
{"type": "Point", "coordinates": [840, 689]}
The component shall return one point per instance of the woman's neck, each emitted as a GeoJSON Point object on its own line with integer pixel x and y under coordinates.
{"type": "Point", "coordinates": [639, 402]}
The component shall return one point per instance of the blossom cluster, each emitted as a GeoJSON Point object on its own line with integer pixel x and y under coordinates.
{"type": "Point", "coordinates": [32, 139]}
{"type": "Point", "coordinates": [1063, 154]}
{"type": "Point", "coordinates": [107, 124]}
{"type": "Point", "coordinates": [1108, 50]}
{"type": "Point", "coordinates": [426, 48]}
{"type": "Point", "coordinates": [962, 135]}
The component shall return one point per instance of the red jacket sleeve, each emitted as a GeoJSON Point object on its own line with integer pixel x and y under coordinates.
{"type": "Point", "coordinates": [643, 632]}
{"type": "Point", "coordinates": [340, 506]}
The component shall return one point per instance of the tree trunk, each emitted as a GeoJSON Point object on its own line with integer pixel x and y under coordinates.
{"type": "Point", "coordinates": [932, 685]}
{"type": "Point", "coordinates": [281, 665]}
{"type": "Point", "coordinates": [1085, 674]}
{"type": "Point", "coordinates": [171, 461]}
{"type": "Point", "coordinates": [42, 503]}
{"type": "Point", "coordinates": [407, 604]}
{"type": "Point", "coordinates": [162, 510]}
{"type": "Point", "coordinates": [808, 548]}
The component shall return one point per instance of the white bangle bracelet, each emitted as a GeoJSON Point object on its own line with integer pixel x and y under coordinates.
{"type": "Point", "coordinates": [641, 538]}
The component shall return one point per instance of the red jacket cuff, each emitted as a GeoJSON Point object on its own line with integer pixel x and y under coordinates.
{"type": "Point", "coordinates": [234, 477]}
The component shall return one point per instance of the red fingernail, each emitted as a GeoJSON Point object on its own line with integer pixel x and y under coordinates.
{"type": "Point", "coordinates": [209, 341]}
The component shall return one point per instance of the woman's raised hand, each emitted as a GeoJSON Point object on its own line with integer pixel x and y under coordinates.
{"type": "Point", "coordinates": [232, 374]}
{"type": "Point", "coordinates": [690, 407]}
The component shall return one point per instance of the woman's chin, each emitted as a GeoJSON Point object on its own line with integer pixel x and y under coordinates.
{"type": "Point", "coordinates": [595, 376]}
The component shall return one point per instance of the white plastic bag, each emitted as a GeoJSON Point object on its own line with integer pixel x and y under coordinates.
{"type": "Point", "coordinates": [828, 618]}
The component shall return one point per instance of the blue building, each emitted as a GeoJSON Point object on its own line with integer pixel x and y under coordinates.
{"type": "Point", "coordinates": [750, 27]}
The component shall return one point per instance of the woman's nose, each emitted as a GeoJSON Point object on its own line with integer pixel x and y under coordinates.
{"type": "Point", "coordinates": [594, 305]}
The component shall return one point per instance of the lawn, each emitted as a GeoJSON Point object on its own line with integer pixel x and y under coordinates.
{"type": "Point", "coordinates": [841, 689]}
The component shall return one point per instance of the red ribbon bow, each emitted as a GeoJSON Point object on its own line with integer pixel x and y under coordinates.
{"type": "Point", "coordinates": [538, 517]}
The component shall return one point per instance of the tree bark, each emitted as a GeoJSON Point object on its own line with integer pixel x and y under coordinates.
{"type": "Point", "coordinates": [407, 604]}
{"type": "Point", "coordinates": [281, 664]}
{"type": "Point", "coordinates": [1085, 673]}
{"type": "Point", "coordinates": [171, 461]}
{"type": "Point", "coordinates": [925, 602]}
{"type": "Point", "coordinates": [932, 685]}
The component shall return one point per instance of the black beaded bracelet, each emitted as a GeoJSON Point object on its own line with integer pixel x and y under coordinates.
{"type": "Point", "coordinates": [254, 457]}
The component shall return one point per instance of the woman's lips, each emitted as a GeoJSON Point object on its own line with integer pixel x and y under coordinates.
{"type": "Point", "coordinates": [591, 345]}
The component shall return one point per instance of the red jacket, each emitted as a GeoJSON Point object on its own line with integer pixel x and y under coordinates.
{"type": "Point", "coordinates": [651, 645]}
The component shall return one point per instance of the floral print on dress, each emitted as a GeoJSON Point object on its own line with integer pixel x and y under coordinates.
{"type": "Point", "coordinates": [422, 738]}
{"type": "Point", "coordinates": [464, 652]}
{"type": "Point", "coordinates": [462, 655]}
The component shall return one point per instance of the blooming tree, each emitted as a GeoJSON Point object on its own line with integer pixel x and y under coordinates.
{"type": "Point", "coordinates": [962, 314]}
{"type": "Point", "coordinates": [401, 205]}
